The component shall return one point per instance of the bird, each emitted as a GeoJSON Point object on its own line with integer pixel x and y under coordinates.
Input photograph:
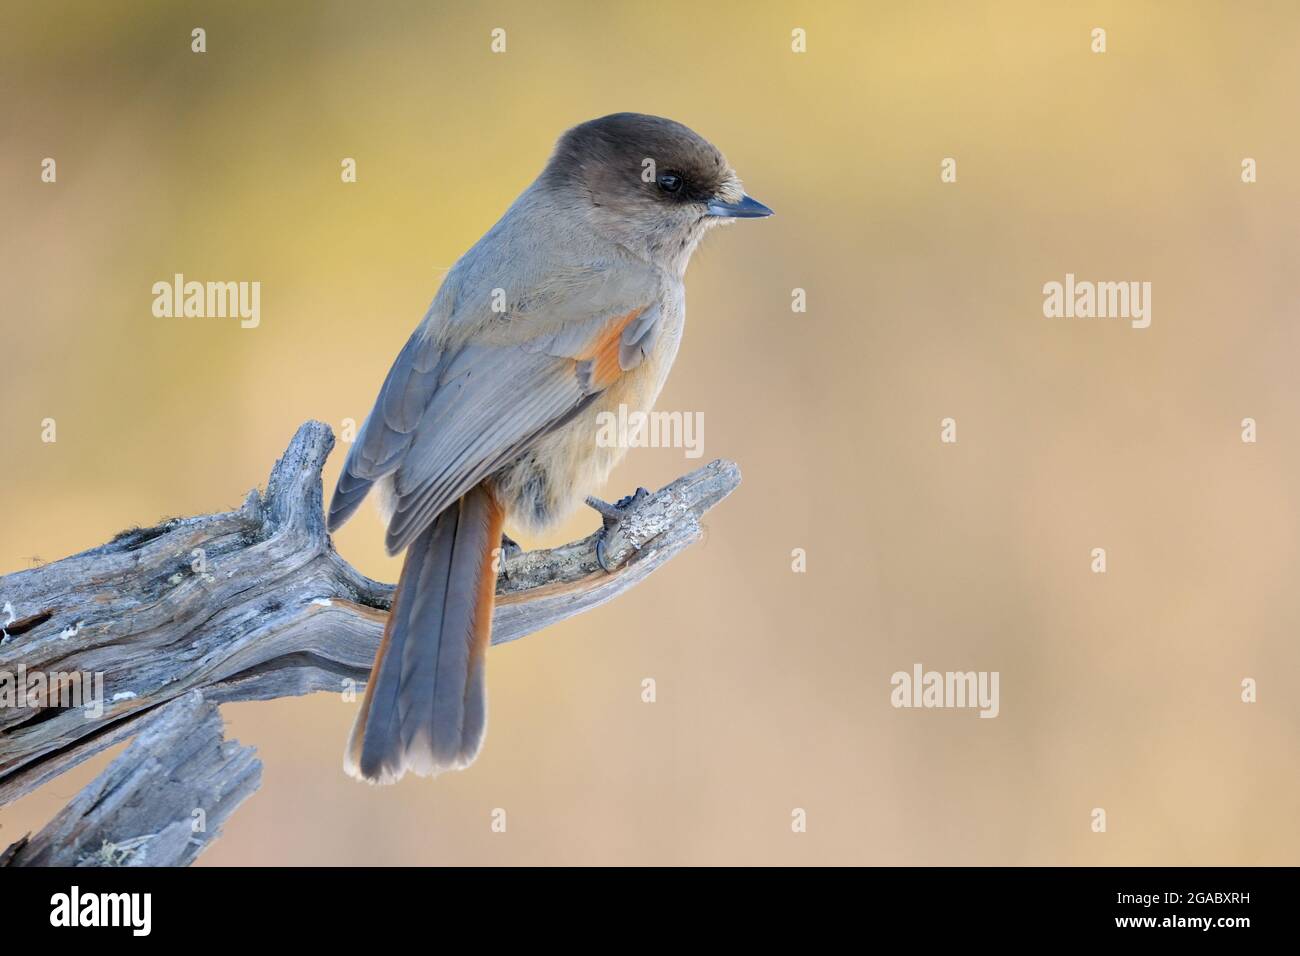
{"type": "Point", "coordinates": [570, 305]}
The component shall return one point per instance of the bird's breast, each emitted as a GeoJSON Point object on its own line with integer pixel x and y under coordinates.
{"type": "Point", "coordinates": [545, 484]}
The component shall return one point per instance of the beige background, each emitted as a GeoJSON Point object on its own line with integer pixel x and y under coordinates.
{"type": "Point", "coordinates": [924, 301]}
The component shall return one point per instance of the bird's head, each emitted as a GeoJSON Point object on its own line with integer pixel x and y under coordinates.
{"type": "Point", "coordinates": [648, 183]}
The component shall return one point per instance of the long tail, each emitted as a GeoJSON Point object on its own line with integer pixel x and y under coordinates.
{"type": "Point", "coordinates": [425, 708]}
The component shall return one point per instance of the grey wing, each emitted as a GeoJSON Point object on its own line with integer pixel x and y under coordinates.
{"type": "Point", "coordinates": [389, 428]}
{"type": "Point", "coordinates": [445, 421]}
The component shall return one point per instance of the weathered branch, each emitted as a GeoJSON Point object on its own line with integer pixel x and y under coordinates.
{"type": "Point", "coordinates": [159, 804]}
{"type": "Point", "coordinates": [243, 605]}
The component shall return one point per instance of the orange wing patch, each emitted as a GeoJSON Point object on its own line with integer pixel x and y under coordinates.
{"type": "Point", "coordinates": [601, 361]}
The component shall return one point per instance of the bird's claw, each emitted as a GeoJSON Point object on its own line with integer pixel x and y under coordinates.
{"type": "Point", "coordinates": [509, 549]}
{"type": "Point", "coordinates": [612, 516]}
{"type": "Point", "coordinates": [601, 557]}
{"type": "Point", "coordinates": [509, 546]}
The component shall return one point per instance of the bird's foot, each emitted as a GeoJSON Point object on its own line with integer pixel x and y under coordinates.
{"type": "Point", "coordinates": [612, 516]}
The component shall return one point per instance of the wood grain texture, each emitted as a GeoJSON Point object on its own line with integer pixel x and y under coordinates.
{"type": "Point", "coordinates": [158, 804]}
{"type": "Point", "coordinates": [249, 604]}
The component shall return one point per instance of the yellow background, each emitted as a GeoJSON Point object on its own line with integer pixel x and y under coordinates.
{"type": "Point", "coordinates": [1118, 691]}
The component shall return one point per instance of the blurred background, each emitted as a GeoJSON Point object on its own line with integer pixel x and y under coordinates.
{"type": "Point", "coordinates": [924, 301]}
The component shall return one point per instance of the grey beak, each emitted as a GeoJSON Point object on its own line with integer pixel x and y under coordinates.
{"type": "Point", "coordinates": [747, 208]}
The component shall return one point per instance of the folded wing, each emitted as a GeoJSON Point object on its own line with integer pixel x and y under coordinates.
{"type": "Point", "coordinates": [445, 419]}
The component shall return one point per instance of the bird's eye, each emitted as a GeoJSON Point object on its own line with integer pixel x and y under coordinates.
{"type": "Point", "coordinates": [669, 182]}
